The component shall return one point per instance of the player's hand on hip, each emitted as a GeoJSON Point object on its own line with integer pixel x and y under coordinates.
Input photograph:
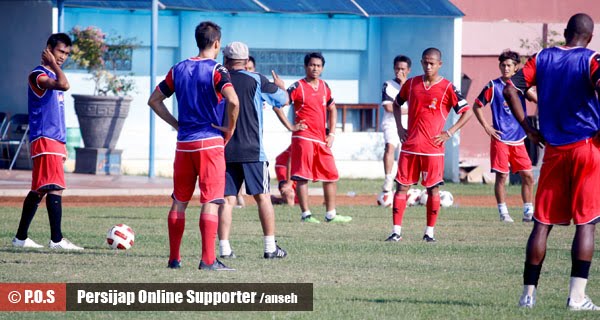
{"type": "Point", "coordinates": [493, 132]}
{"type": "Point", "coordinates": [227, 132]}
{"type": "Point", "coordinates": [301, 125]}
{"type": "Point", "coordinates": [442, 137]}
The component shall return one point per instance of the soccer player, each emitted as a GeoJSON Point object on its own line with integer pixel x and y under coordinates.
{"type": "Point", "coordinates": [390, 90]}
{"type": "Point", "coordinates": [568, 83]}
{"type": "Point", "coordinates": [430, 99]}
{"type": "Point", "coordinates": [244, 154]}
{"type": "Point", "coordinates": [507, 147]}
{"type": "Point", "coordinates": [47, 133]}
{"type": "Point", "coordinates": [205, 125]}
{"type": "Point", "coordinates": [287, 186]}
{"type": "Point", "coordinates": [251, 64]}
{"type": "Point", "coordinates": [311, 154]}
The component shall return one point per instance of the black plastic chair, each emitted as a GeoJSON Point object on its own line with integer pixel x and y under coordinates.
{"type": "Point", "coordinates": [15, 133]}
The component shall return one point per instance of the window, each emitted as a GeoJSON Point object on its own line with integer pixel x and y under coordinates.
{"type": "Point", "coordinates": [284, 62]}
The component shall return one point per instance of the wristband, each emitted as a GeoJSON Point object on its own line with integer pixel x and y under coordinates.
{"type": "Point", "coordinates": [331, 134]}
{"type": "Point", "coordinates": [450, 134]}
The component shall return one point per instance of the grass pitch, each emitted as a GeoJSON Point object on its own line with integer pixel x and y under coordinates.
{"type": "Point", "coordinates": [474, 271]}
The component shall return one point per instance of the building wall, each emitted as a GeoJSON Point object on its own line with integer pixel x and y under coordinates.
{"type": "Point", "coordinates": [358, 53]}
{"type": "Point", "coordinates": [491, 27]}
{"type": "Point", "coordinates": [22, 49]}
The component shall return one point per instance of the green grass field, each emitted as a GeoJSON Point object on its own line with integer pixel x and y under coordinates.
{"type": "Point", "coordinates": [474, 271]}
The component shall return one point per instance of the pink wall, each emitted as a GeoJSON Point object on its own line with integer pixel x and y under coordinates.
{"type": "Point", "coordinates": [526, 11]}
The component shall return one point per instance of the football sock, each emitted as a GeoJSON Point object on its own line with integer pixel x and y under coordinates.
{"type": "Point", "coordinates": [433, 207]}
{"type": "Point", "coordinates": [527, 207]}
{"type": "Point", "coordinates": [330, 214]}
{"type": "Point", "coordinates": [429, 231]}
{"type": "Point", "coordinates": [398, 208]}
{"type": "Point", "coordinates": [531, 274]}
{"type": "Point", "coordinates": [209, 223]}
{"type": "Point", "coordinates": [270, 245]}
{"type": "Point", "coordinates": [54, 206]}
{"type": "Point", "coordinates": [577, 289]}
{"type": "Point", "coordinates": [528, 290]}
{"type": "Point", "coordinates": [176, 224]}
{"type": "Point", "coordinates": [397, 229]}
{"type": "Point", "coordinates": [30, 206]}
{"type": "Point", "coordinates": [502, 209]}
{"type": "Point", "coordinates": [306, 214]}
{"type": "Point", "coordinates": [224, 248]}
{"type": "Point", "coordinates": [579, 275]}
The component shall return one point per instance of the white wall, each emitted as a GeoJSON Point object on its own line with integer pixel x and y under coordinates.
{"type": "Point", "coordinates": [134, 141]}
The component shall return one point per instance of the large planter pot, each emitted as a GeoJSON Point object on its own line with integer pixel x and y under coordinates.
{"type": "Point", "coordinates": [101, 119]}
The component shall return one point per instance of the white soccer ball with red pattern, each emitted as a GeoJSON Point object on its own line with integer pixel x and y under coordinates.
{"type": "Point", "coordinates": [412, 197]}
{"type": "Point", "coordinates": [385, 199]}
{"type": "Point", "coordinates": [120, 237]}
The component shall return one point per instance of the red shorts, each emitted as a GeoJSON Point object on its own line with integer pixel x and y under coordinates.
{"type": "Point", "coordinates": [502, 154]}
{"type": "Point", "coordinates": [411, 166]}
{"type": "Point", "coordinates": [203, 160]}
{"type": "Point", "coordinates": [48, 158]}
{"type": "Point", "coordinates": [569, 184]}
{"type": "Point", "coordinates": [281, 164]}
{"type": "Point", "coordinates": [312, 160]}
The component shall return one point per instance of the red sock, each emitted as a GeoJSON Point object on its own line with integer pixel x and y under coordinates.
{"type": "Point", "coordinates": [433, 207]}
{"type": "Point", "coordinates": [176, 223]}
{"type": "Point", "coordinates": [209, 223]}
{"type": "Point", "coordinates": [399, 207]}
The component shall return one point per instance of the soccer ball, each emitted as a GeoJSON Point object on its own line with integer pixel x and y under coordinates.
{"type": "Point", "coordinates": [120, 237]}
{"type": "Point", "coordinates": [423, 197]}
{"type": "Point", "coordinates": [412, 197]}
{"type": "Point", "coordinates": [385, 199]}
{"type": "Point", "coordinates": [446, 199]}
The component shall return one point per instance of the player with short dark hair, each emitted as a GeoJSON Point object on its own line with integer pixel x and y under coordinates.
{"type": "Point", "coordinates": [568, 83]}
{"type": "Point", "coordinates": [390, 90]}
{"type": "Point", "coordinates": [311, 154]}
{"type": "Point", "coordinates": [205, 124]}
{"type": "Point", "coordinates": [251, 64]}
{"type": "Point", "coordinates": [430, 99]}
{"type": "Point", "coordinates": [507, 147]}
{"type": "Point", "coordinates": [47, 133]}
{"type": "Point", "coordinates": [244, 154]}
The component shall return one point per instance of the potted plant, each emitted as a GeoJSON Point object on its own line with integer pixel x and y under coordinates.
{"type": "Point", "coordinates": [101, 115]}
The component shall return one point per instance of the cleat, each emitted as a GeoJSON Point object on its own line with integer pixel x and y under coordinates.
{"type": "Point", "coordinates": [339, 218]}
{"type": "Point", "coordinates": [310, 219]}
{"type": "Point", "coordinates": [505, 217]}
{"type": "Point", "coordinates": [527, 216]}
{"type": "Point", "coordinates": [216, 266]}
{"type": "Point", "coordinates": [427, 238]}
{"type": "Point", "coordinates": [228, 256]}
{"type": "Point", "coordinates": [63, 244]}
{"type": "Point", "coordinates": [585, 305]}
{"type": "Point", "coordinates": [27, 243]}
{"type": "Point", "coordinates": [394, 237]}
{"type": "Point", "coordinates": [278, 253]}
{"type": "Point", "coordinates": [527, 301]}
{"type": "Point", "coordinates": [174, 264]}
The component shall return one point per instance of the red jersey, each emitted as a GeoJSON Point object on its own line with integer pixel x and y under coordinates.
{"type": "Point", "coordinates": [310, 105]}
{"type": "Point", "coordinates": [428, 108]}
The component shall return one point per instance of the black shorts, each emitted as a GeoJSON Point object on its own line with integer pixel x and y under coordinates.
{"type": "Point", "coordinates": [255, 174]}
